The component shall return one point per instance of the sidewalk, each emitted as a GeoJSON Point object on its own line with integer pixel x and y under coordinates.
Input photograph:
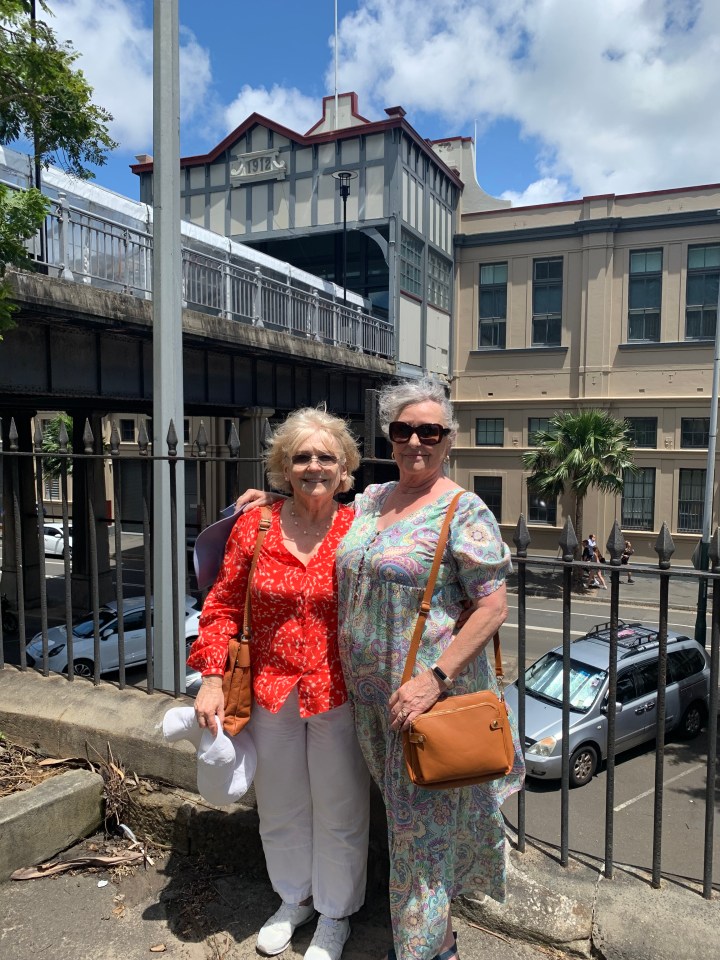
{"type": "Point", "coordinates": [210, 905]}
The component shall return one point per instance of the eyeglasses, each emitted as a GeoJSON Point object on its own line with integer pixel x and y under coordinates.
{"type": "Point", "coordinates": [305, 459]}
{"type": "Point", "coordinates": [427, 433]}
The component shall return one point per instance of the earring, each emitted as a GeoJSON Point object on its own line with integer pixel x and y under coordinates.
{"type": "Point", "coordinates": [392, 454]}
{"type": "Point", "coordinates": [447, 458]}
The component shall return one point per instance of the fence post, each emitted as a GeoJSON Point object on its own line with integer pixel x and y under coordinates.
{"type": "Point", "coordinates": [257, 304]}
{"type": "Point", "coordinates": [314, 330]}
{"type": "Point", "coordinates": [227, 289]}
{"type": "Point", "coordinates": [64, 239]}
{"type": "Point", "coordinates": [521, 539]}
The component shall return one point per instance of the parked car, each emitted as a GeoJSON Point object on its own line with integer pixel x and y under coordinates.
{"type": "Point", "coordinates": [55, 544]}
{"type": "Point", "coordinates": [686, 704]}
{"type": "Point", "coordinates": [134, 620]}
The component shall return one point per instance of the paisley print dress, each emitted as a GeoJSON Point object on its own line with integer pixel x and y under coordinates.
{"type": "Point", "coordinates": [442, 843]}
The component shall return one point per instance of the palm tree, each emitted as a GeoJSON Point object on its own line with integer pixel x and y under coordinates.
{"type": "Point", "coordinates": [578, 451]}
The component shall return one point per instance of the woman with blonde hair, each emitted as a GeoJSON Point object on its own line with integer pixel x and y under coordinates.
{"type": "Point", "coordinates": [311, 783]}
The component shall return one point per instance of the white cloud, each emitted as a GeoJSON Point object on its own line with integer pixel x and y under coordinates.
{"type": "Point", "coordinates": [116, 47]}
{"type": "Point", "coordinates": [286, 106]}
{"type": "Point", "coordinates": [547, 190]}
{"type": "Point", "coordinates": [621, 93]}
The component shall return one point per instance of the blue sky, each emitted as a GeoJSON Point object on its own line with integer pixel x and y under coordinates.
{"type": "Point", "coordinates": [571, 97]}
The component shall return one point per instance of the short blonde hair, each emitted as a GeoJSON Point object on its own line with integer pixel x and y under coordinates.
{"type": "Point", "coordinates": [290, 435]}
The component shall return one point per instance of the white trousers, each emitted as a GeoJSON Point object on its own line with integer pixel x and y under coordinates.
{"type": "Point", "coordinates": [312, 788]}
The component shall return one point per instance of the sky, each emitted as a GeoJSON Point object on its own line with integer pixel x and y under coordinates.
{"type": "Point", "coordinates": [569, 98]}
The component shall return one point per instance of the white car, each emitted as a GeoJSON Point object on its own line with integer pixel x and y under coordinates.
{"type": "Point", "coordinates": [134, 621]}
{"type": "Point", "coordinates": [54, 541]}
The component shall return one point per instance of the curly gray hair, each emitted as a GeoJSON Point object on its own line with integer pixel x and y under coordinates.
{"type": "Point", "coordinates": [396, 396]}
{"type": "Point", "coordinates": [301, 425]}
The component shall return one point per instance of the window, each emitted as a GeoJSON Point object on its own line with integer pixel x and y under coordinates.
{"type": "Point", "coordinates": [703, 278]}
{"type": "Point", "coordinates": [51, 488]}
{"type": "Point", "coordinates": [127, 431]}
{"type": "Point", "coordinates": [625, 690]}
{"type": "Point", "coordinates": [644, 295]}
{"type": "Point", "coordinates": [694, 432]}
{"type": "Point", "coordinates": [638, 499]}
{"type": "Point", "coordinates": [489, 489]}
{"type": "Point", "coordinates": [642, 431]}
{"type": "Point", "coordinates": [411, 256]}
{"type": "Point", "coordinates": [690, 501]}
{"type": "Point", "coordinates": [439, 278]}
{"type": "Point", "coordinates": [186, 430]}
{"type": "Point", "coordinates": [683, 664]}
{"type": "Point", "coordinates": [493, 305]}
{"type": "Point", "coordinates": [547, 301]}
{"type": "Point", "coordinates": [646, 678]}
{"type": "Point", "coordinates": [535, 424]}
{"type": "Point", "coordinates": [489, 432]}
{"type": "Point", "coordinates": [541, 508]}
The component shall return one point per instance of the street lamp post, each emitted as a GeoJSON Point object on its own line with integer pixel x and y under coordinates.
{"type": "Point", "coordinates": [343, 178]}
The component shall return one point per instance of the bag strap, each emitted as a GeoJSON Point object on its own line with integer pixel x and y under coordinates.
{"type": "Point", "coordinates": [427, 600]}
{"type": "Point", "coordinates": [265, 520]}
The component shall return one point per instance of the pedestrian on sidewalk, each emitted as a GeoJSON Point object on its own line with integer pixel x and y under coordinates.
{"type": "Point", "coordinates": [599, 558]}
{"type": "Point", "coordinates": [625, 558]}
{"type": "Point", "coordinates": [312, 784]}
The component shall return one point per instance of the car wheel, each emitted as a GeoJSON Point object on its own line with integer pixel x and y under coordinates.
{"type": "Point", "coordinates": [189, 641]}
{"type": "Point", "coordinates": [83, 668]}
{"type": "Point", "coordinates": [692, 721]}
{"type": "Point", "coordinates": [583, 764]}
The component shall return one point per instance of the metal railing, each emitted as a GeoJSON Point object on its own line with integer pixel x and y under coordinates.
{"type": "Point", "coordinates": [569, 572]}
{"type": "Point", "coordinates": [219, 277]}
{"type": "Point", "coordinates": [92, 514]}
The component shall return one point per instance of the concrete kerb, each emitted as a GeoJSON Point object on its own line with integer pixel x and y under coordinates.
{"type": "Point", "coordinates": [572, 909]}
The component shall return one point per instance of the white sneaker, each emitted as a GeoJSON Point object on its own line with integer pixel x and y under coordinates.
{"type": "Point", "coordinates": [276, 933]}
{"type": "Point", "coordinates": [329, 939]}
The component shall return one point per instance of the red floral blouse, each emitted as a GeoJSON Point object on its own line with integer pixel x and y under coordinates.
{"type": "Point", "coordinates": [293, 616]}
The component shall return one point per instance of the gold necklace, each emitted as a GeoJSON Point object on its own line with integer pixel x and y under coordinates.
{"type": "Point", "coordinates": [321, 532]}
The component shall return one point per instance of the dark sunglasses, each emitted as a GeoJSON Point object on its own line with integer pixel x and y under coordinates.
{"type": "Point", "coordinates": [427, 433]}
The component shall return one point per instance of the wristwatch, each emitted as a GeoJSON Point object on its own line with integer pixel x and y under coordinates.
{"type": "Point", "coordinates": [442, 676]}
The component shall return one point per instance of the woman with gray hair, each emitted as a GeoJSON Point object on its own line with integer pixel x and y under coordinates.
{"type": "Point", "coordinates": [442, 843]}
{"type": "Point", "coordinates": [311, 782]}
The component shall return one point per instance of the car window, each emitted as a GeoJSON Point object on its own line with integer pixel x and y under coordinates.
{"type": "Point", "coordinates": [683, 664]}
{"type": "Point", "coordinates": [545, 679]}
{"type": "Point", "coordinates": [646, 678]}
{"type": "Point", "coordinates": [625, 687]}
{"type": "Point", "coordinates": [135, 620]}
{"type": "Point", "coordinates": [84, 629]}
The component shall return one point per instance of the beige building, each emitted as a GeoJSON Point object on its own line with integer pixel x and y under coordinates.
{"type": "Point", "coordinates": [609, 302]}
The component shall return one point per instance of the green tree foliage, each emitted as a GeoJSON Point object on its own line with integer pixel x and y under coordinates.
{"type": "Point", "coordinates": [46, 101]}
{"type": "Point", "coordinates": [576, 452]}
{"type": "Point", "coordinates": [53, 466]}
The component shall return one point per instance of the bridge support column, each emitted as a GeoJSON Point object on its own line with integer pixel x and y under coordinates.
{"type": "Point", "coordinates": [89, 500]}
{"type": "Point", "coordinates": [253, 432]}
{"type": "Point", "coordinates": [20, 469]}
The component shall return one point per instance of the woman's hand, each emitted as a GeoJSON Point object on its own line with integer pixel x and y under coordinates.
{"type": "Point", "coordinates": [413, 698]}
{"type": "Point", "coordinates": [257, 498]}
{"type": "Point", "coordinates": [210, 704]}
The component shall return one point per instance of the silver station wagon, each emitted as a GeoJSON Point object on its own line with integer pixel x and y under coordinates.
{"type": "Point", "coordinates": [687, 697]}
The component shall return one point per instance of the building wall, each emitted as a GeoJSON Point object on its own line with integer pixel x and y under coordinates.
{"type": "Point", "coordinates": [600, 361]}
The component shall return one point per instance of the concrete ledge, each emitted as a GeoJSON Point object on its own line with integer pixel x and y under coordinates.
{"type": "Point", "coordinates": [38, 823]}
{"type": "Point", "coordinates": [75, 718]}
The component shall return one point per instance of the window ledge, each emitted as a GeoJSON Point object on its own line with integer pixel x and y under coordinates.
{"type": "Point", "coordinates": [515, 350]}
{"type": "Point", "coordinates": [664, 344]}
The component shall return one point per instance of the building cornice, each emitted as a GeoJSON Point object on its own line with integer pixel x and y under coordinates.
{"type": "Point", "coordinates": [580, 228]}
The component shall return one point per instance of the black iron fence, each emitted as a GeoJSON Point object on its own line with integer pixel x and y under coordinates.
{"type": "Point", "coordinates": [92, 513]}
